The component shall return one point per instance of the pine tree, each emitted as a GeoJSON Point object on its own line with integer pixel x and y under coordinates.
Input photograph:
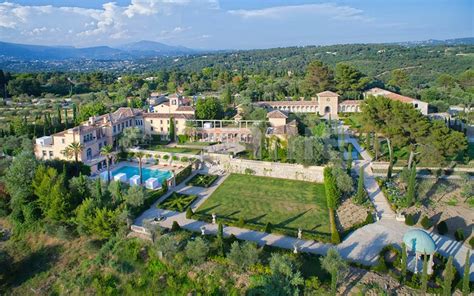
{"type": "Point", "coordinates": [411, 194]}
{"type": "Point", "coordinates": [361, 194]}
{"type": "Point", "coordinates": [448, 277]}
{"type": "Point", "coordinates": [424, 275]}
{"type": "Point", "coordinates": [465, 277]}
{"type": "Point", "coordinates": [404, 262]}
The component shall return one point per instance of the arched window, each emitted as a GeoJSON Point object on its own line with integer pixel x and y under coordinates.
{"type": "Point", "coordinates": [89, 153]}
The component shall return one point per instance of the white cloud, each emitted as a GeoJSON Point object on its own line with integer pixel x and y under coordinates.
{"type": "Point", "coordinates": [151, 7]}
{"type": "Point", "coordinates": [330, 10]}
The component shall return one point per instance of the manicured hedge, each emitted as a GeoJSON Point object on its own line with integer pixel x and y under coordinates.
{"type": "Point", "coordinates": [442, 227]}
{"type": "Point", "coordinates": [314, 235]}
{"type": "Point", "coordinates": [201, 180]}
{"type": "Point", "coordinates": [426, 222]}
{"type": "Point", "coordinates": [177, 202]}
{"type": "Point", "coordinates": [185, 173]}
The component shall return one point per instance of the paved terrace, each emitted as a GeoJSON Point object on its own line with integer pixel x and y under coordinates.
{"type": "Point", "coordinates": [362, 246]}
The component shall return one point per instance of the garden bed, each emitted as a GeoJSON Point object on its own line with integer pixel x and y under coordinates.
{"type": "Point", "coordinates": [177, 202]}
{"type": "Point", "coordinates": [201, 180]}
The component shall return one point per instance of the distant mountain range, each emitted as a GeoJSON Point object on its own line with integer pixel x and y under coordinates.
{"type": "Point", "coordinates": [140, 49]}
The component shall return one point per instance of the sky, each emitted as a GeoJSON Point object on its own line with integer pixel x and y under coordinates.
{"type": "Point", "coordinates": [233, 24]}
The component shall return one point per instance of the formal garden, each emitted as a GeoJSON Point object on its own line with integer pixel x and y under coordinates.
{"type": "Point", "coordinates": [177, 202]}
{"type": "Point", "coordinates": [201, 180]}
{"type": "Point", "coordinates": [270, 205]}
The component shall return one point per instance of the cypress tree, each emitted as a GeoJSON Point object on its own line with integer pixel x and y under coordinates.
{"type": "Point", "coordinates": [220, 239]}
{"type": "Point", "coordinates": [404, 262]}
{"type": "Point", "coordinates": [65, 118]}
{"type": "Point", "coordinates": [376, 147]}
{"type": "Point", "coordinates": [58, 111]}
{"type": "Point", "coordinates": [349, 159]}
{"type": "Point", "coordinates": [465, 277]}
{"type": "Point", "coordinates": [424, 275]}
{"type": "Point", "coordinates": [172, 131]}
{"type": "Point", "coordinates": [411, 194]}
{"type": "Point", "coordinates": [74, 114]}
{"type": "Point", "coordinates": [361, 195]}
{"type": "Point", "coordinates": [448, 277]}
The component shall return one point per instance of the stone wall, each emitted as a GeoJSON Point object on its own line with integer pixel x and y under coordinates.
{"type": "Point", "coordinates": [270, 169]}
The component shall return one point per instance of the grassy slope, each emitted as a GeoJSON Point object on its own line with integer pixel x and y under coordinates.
{"type": "Point", "coordinates": [286, 203]}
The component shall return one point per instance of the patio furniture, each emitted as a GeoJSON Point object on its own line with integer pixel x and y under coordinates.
{"type": "Point", "coordinates": [134, 180]}
{"type": "Point", "coordinates": [121, 177]}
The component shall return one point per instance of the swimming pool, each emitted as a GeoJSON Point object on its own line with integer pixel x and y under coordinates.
{"type": "Point", "coordinates": [130, 171]}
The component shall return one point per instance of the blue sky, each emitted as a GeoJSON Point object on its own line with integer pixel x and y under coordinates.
{"type": "Point", "coordinates": [232, 24]}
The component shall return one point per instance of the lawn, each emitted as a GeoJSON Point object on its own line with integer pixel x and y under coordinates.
{"type": "Point", "coordinates": [173, 149]}
{"type": "Point", "coordinates": [286, 204]}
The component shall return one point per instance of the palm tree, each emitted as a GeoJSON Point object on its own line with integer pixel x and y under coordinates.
{"type": "Point", "coordinates": [74, 150]}
{"type": "Point", "coordinates": [107, 151]}
{"type": "Point", "coordinates": [139, 155]}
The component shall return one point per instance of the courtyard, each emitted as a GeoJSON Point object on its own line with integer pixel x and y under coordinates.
{"type": "Point", "coordinates": [256, 201]}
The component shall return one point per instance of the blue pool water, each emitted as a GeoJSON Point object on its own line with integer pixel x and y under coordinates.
{"type": "Point", "coordinates": [130, 171]}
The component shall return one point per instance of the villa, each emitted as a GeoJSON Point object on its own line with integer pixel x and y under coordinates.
{"type": "Point", "coordinates": [103, 130]}
{"type": "Point", "coordinates": [327, 103]}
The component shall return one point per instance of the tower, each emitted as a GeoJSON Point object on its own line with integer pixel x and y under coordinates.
{"type": "Point", "coordinates": [328, 103]}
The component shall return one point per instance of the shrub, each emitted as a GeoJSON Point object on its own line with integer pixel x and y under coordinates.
{"type": "Point", "coordinates": [268, 227]}
{"type": "Point", "coordinates": [183, 139]}
{"type": "Point", "coordinates": [426, 222]}
{"type": "Point", "coordinates": [189, 213]}
{"type": "Point", "coordinates": [370, 218]}
{"type": "Point", "coordinates": [249, 171]}
{"type": "Point", "coordinates": [184, 159]}
{"type": "Point", "coordinates": [232, 238]}
{"type": "Point", "coordinates": [410, 220]}
{"type": "Point", "coordinates": [175, 226]}
{"type": "Point", "coordinates": [175, 158]}
{"type": "Point", "coordinates": [442, 227]}
{"type": "Point", "coordinates": [166, 157]}
{"type": "Point", "coordinates": [241, 222]}
{"type": "Point", "coordinates": [185, 173]}
{"type": "Point", "coordinates": [471, 242]}
{"type": "Point", "coordinates": [459, 235]}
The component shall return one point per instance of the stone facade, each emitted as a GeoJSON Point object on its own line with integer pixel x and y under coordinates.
{"type": "Point", "coordinates": [270, 169]}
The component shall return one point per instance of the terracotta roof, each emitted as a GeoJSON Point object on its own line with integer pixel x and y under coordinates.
{"type": "Point", "coordinates": [351, 102]}
{"type": "Point", "coordinates": [185, 108]}
{"type": "Point", "coordinates": [327, 93]}
{"type": "Point", "coordinates": [276, 114]}
{"type": "Point", "coordinates": [289, 129]}
{"type": "Point", "coordinates": [389, 94]}
{"type": "Point", "coordinates": [397, 97]}
{"type": "Point", "coordinates": [287, 103]}
{"type": "Point", "coordinates": [168, 115]}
